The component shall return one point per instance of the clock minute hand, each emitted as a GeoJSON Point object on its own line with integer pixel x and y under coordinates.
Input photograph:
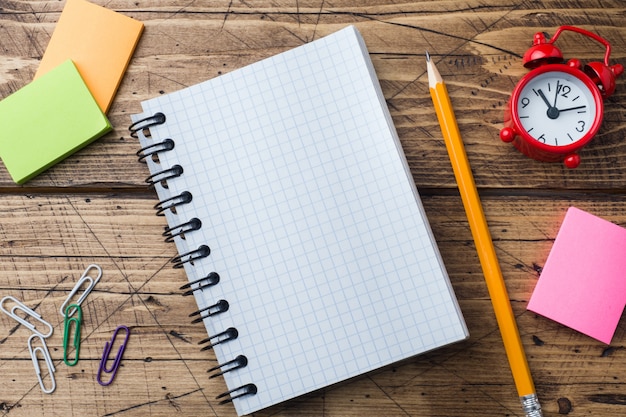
{"type": "Point", "coordinates": [559, 86]}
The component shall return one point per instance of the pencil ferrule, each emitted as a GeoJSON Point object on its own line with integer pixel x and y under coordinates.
{"type": "Point", "coordinates": [531, 406]}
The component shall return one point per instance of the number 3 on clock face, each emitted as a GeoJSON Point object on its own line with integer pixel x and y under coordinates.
{"type": "Point", "coordinates": [558, 109]}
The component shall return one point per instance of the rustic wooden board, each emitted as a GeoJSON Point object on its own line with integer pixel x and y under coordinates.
{"type": "Point", "coordinates": [94, 207]}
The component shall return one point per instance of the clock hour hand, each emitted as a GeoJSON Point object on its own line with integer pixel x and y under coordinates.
{"type": "Point", "coordinates": [544, 98]}
{"type": "Point", "coordinates": [553, 112]}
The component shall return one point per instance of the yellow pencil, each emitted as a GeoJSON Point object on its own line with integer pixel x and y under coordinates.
{"type": "Point", "coordinates": [484, 244]}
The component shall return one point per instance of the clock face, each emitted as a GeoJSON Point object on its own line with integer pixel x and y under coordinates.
{"type": "Point", "coordinates": [557, 109]}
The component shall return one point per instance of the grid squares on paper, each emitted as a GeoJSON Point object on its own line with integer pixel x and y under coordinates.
{"type": "Point", "coordinates": [305, 198]}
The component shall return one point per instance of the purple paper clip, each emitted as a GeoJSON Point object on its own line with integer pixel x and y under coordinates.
{"type": "Point", "coordinates": [118, 358]}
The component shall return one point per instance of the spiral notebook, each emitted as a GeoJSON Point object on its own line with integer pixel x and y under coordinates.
{"type": "Point", "coordinates": [297, 221]}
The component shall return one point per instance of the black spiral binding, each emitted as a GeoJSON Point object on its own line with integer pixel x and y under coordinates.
{"type": "Point", "coordinates": [248, 389]}
{"type": "Point", "coordinates": [154, 150]}
{"type": "Point", "coordinates": [146, 123]}
{"type": "Point", "coordinates": [202, 252]}
{"type": "Point", "coordinates": [220, 307]}
{"type": "Point", "coordinates": [229, 334]}
{"type": "Point", "coordinates": [166, 174]}
{"type": "Point", "coordinates": [208, 281]}
{"type": "Point", "coordinates": [179, 230]}
{"type": "Point", "coordinates": [239, 362]}
{"type": "Point", "coordinates": [169, 205]}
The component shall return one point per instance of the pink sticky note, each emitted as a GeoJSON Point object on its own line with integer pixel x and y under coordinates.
{"type": "Point", "coordinates": [583, 283]}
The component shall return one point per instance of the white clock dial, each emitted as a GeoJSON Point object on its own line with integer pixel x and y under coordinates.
{"type": "Point", "coordinates": [556, 108]}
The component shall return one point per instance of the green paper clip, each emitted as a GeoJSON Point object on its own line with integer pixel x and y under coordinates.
{"type": "Point", "coordinates": [66, 335]}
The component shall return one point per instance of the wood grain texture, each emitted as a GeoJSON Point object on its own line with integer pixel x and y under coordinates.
{"type": "Point", "coordinates": [94, 207]}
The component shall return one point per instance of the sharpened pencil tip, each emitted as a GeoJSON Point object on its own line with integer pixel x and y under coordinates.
{"type": "Point", "coordinates": [433, 75]}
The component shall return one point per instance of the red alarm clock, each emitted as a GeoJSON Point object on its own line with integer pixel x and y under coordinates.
{"type": "Point", "coordinates": [557, 107]}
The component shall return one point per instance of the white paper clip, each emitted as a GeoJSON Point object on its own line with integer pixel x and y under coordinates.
{"type": "Point", "coordinates": [84, 278]}
{"type": "Point", "coordinates": [46, 357]}
{"type": "Point", "coordinates": [29, 312]}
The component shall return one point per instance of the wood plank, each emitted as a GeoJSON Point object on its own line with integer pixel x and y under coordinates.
{"type": "Point", "coordinates": [478, 50]}
{"type": "Point", "coordinates": [44, 252]}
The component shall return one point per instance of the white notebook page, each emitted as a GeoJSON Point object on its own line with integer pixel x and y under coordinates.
{"type": "Point", "coordinates": [315, 227]}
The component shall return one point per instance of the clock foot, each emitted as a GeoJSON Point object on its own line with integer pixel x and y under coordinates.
{"type": "Point", "coordinates": [572, 161]}
{"type": "Point", "coordinates": [507, 134]}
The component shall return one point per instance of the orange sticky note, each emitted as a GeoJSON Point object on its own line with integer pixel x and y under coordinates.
{"type": "Point", "coordinates": [99, 41]}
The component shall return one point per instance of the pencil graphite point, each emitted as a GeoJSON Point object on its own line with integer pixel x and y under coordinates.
{"type": "Point", "coordinates": [434, 77]}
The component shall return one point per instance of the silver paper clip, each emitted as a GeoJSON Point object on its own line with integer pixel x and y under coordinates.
{"type": "Point", "coordinates": [118, 358]}
{"type": "Point", "coordinates": [84, 278]}
{"type": "Point", "coordinates": [29, 312]}
{"type": "Point", "coordinates": [46, 356]}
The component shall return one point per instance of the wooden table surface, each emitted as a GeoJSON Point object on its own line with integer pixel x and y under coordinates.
{"type": "Point", "coordinates": [94, 207]}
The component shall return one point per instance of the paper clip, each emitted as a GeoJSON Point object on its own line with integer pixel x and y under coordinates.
{"type": "Point", "coordinates": [105, 357]}
{"type": "Point", "coordinates": [19, 306]}
{"type": "Point", "coordinates": [46, 356]}
{"type": "Point", "coordinates": [66, 335]}
{"type": "Point", "coordinates": [84, 278]}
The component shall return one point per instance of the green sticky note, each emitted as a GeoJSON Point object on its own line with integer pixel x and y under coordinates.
{"type": "Point", "coordinates": [48, 120]}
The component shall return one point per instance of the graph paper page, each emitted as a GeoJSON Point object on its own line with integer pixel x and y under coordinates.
{"type": "Point", "coordinates": [323, 249]}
